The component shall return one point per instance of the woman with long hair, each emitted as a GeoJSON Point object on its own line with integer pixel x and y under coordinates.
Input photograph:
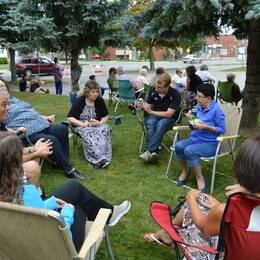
{"type": "Point", "coordinates": [75, 202]}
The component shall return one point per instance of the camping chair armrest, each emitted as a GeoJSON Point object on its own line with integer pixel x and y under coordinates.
{"type": "Point", "coordinates": [139, 90]}
{"type": "Point", "coordinates": [65, 122]}
{"type": "Point", "coordinates": [181, 128]}
{"type": "Point", "coordinates": [227, 137]}
{"type": "Point", "coordinates": [95, 232]}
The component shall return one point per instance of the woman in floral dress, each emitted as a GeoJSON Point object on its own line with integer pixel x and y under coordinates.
{"type": "Point", "coordinates": [200, 217]}
{"type": "Point", "coordinates": [89, 116]}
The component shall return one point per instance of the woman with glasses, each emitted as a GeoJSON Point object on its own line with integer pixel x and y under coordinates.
{"type": "Point", "coordinates": [207, 122]}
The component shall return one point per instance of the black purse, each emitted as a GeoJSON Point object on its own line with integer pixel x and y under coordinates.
{"type": "Point", "coordinates": [181, 201]}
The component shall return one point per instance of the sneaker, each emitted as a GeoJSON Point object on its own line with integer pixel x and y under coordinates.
{"type": "Point", "coordinates": [118, 212]}
{"type": "Point", "coordinates": [154, 157]}
{"type": "Point", "coordinates": [145, 156]}
{"type": "Point", "coordinates": [75, 175]}
{"type": "Point", "coordinates": [104, 163]}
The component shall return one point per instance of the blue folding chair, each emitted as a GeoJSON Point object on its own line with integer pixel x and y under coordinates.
{"type": "Point", "coordinates": [126, 92]}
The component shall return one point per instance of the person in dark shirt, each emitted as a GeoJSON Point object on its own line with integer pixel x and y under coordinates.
{"type": "Point", "coordinates": [23, 83]}
{"type": "Point", "coordinates": [162, 106]}
{"type": "Point", "coordinates": [193, 81]}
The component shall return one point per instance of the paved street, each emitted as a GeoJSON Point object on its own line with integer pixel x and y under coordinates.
{"type": "Point", "coordinates": [215, 68]}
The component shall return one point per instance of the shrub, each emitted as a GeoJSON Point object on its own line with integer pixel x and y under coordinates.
{"type": "Point", "coordinates": [3, 60]}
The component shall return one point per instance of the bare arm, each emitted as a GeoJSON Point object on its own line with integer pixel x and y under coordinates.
{"type": "Point", "coordinates": [234, 188]}
{"type": "Point", "coordinates": [202, 126]}
{"type": "Point", "coordinates": [169, 113]}
{"type": "Point", "coordinates": [50, 119]}
{"type": "Point", "coordinates": [41, 149]}
{"type": "Point", "coordinates": [95, 122]}
{"type": "Point", "coordinates": [209, 224]}
{"type": "Point", "coordinates": [76, 122]}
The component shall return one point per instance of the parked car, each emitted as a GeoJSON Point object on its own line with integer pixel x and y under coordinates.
{"type": "Point", "coordinates": [34, 65]}
{"type": "Point", "coordinates": [192, 58]}
{"type": "Point", "coordinates": [96, 57]}
{"type": "Point", "coordinates": [82, 56]}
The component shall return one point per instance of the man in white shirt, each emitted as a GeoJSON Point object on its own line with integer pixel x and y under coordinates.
{"type": "Point", "coordinates": [122, 76]}
{"type": "Point", "coordinates": [177, 76]}
{"type": "Point", "coordinates": [204, 74]}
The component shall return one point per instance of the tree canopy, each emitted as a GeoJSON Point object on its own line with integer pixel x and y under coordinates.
{"type": "Point", "coordinates": [188, 19]}
{"type": "Point", "coordinates": [22, 28]}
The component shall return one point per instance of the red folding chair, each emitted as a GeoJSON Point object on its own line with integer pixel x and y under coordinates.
{"type": "Point", "coordinates": [239, 237]}
{"type": "Point", "coordinates": [161, 213]}
{"type": "Point", "coordinates": [240, 228]}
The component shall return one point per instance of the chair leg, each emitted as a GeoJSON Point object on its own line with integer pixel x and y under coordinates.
{"type": "Point", "coordinates": [92, 252]}
{"type": "Point", "coordinates": [172, 148]}
{"type": "Point", "coordinates": [213, 175]}
{"type": "Point", "coordinates": [110, 100]}
{"type": "Point", "coordinates": [108, 245]}
{"type": "Point", "coordinates": [75, 145]}
{"type": "Point", "coordinates": [177, 251]}
{"type": "Point", "coordinates": [118, 101]}
{"type": "Point", "coordinates": [141, 143]}
{"type": "Point", "coordinates": [169, 163]}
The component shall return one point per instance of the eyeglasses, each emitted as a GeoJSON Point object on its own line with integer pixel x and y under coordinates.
{"type": "Point", "coordinates": [198, 97]}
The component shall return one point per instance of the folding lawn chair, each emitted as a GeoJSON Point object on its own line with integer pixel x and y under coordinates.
{"type": "Point", "coordinates": [117, 120]}
{"type": "Point", "coordinates": [39, 234]}
{"type": "Point", "coordinates": [161, 214]}
{"type": "Point", "coordinates": [225, 92]}
{"type": "Point", "coordinates": [226, 143]}
{"type": "Point", "coordinates": [239, 232]}
{"type": "Point", "coordinates": [240, 227]}
{"type": "Point", "coordinates": [140, 114]}
{"type": "Point", "coordinates": [126, 92]}
{"type": "Point", "coordinates": [113, 94]}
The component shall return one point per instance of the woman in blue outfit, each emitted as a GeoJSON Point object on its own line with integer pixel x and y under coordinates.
{"type": "Point", "coordinates": [74, 201]}
{"type": "Point", "coordinates": [202, 142]}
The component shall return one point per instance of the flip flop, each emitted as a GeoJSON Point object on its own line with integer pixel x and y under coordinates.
{"type": "Point", "coordinates": [151, 238]}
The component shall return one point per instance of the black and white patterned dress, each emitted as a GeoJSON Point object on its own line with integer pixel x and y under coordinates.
{"type": "Point", "coordinates": [192, 235]}
{"type": "Point", "coordinates": [96, 139]}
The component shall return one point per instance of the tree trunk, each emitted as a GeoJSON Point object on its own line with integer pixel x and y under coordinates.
{"type": "Point", "coordinates": [12, 64]}
{"type": "Point", "coordinates": [151, 57]}
{"type": "Point", "coordinates": [251, 100]}
{"type": "Point", "coordinates": [76, 71]}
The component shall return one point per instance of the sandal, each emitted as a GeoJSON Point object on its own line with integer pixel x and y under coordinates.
{"type": "Point", "coordinates": [151, 238]}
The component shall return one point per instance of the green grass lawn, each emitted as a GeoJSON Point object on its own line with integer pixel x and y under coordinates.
{"type": "Point", "coordinates": [126, 178]}
{"type": "Point", "coordinates": [4, 67]}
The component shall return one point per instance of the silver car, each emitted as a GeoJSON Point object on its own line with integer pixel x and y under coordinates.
{"type": "Point", "coordinates": [192, 58]}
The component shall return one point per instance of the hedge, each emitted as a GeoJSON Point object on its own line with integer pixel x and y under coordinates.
{"type": "Point", "coordinates": [3, 60]}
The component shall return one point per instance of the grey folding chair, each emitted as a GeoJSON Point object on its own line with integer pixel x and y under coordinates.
{"type": "Point", "coordinates": [40, 234]}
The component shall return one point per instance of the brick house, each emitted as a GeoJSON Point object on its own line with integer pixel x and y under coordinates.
{"type": "Point", "coordinates": [225, 46]}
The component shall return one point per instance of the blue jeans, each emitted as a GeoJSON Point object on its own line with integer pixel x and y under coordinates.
{"type": "Point", "coordinates": [156, 127]}
{"type": "Point", "coordinates": [190, 151]}
{"type": "Point", "coordinates": [58, 86]}
{"type": "Point", "coordinates": [58, 134]}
